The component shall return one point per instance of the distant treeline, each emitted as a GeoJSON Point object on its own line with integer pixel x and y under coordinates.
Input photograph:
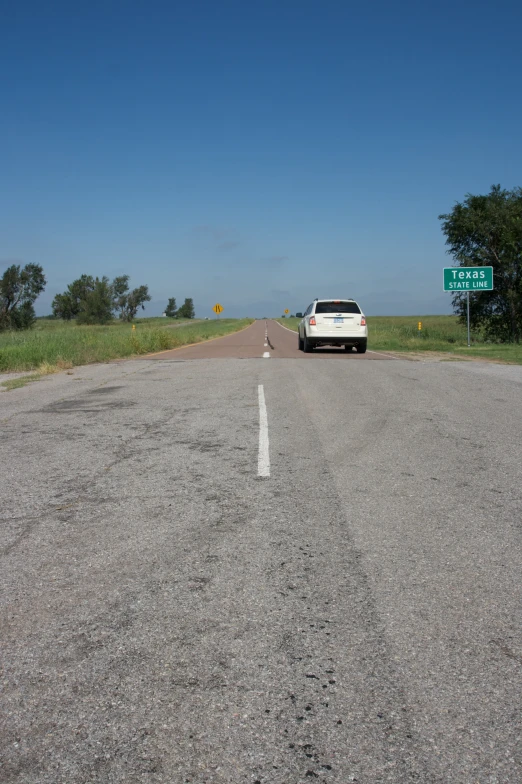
{"type": "Point", "coordinates": [91, 300]}
{"type": "Point", "coordinates": [87, 300]}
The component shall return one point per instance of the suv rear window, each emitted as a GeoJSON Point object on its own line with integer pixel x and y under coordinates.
{"type": "Point", "coordinates": [337, 307]}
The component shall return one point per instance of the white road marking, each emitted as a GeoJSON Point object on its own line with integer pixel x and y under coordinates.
{"type": "Point", "coordinates": [263, 460]}
{"type": "Point", "coordinates": [293, 331]}
{"type": "Point", "coordinates": [381, 354]}
{"type": "Point", "coordinates": [266, 355]}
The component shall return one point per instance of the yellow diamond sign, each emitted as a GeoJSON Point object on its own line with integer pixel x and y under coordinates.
{"type": "Point", "coordinates": [218, 308]}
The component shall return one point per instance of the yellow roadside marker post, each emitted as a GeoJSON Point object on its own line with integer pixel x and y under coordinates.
{"type": "Point", "coordinates": [419, 326]}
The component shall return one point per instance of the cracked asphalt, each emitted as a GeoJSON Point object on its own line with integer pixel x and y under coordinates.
{"type": "Point", "coordinates": [169, 616]}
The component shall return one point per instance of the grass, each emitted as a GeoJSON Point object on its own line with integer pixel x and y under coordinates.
{"type": "Point", "coordinates": [16, 383]}
{"type": "Point", "coordinates": [53, 345]}
{"type": "Point", "coordinates": [443, 334]}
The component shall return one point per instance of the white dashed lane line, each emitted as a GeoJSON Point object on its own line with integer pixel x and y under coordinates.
{"type": "Point", "coordinates": [266, 355]}
{"type": "Point", "coordinates": [263, 459]}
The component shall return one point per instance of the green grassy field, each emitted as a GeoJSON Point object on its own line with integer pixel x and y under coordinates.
{"type": "Point", "coordinates": [439, 333]}
{"type": "Point", "coordinates": [53, 344]}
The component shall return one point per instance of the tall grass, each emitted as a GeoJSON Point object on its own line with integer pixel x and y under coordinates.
{"type": "Point", "coordinates": [56, 342]}
{"type": "Point", "coordinates": [438, 333]}
{"type": "Point", "coordinates": [401, 333]}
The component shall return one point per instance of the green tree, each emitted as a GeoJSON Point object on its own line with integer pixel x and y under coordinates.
{"type": "Point", "coordinates": [87, 299]}
{"type": "Point", "coordinates": [19, 288]}
{"type": "Point", "coordinates": [170, 310]}
{"type": "Point", "coordinates": [134, 300]}
{"type": "Point", "coordinates": [63, 307]}
{"type": "Point", "coordinates": [127, 303]}
{"type": "Point", "coordinates": [187, 309]}
{"type": "Point", "coordinates": [69, 304]}
{"type": "Point", "coordinates": [120, 291]}
{"type": "Point", "coordinates": [97, 306]}
{"type": "Point", "coordinates": [487, 231]}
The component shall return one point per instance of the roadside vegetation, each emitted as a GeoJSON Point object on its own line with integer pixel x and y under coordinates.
{"type": "Point", "coordinates": [20, 381]}
{"type": "Point", "coordinates": [87, 300]}
{"type": "Point", "coordinates": [54, 344]}
{"type": "Point", "coordinates": [445, 334]}
{"type": "Point", "coordinates": [482, 231]}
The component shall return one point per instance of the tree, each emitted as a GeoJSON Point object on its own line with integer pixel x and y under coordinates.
{"type": "Point", "coordinates": [19, 288]}
{"type": "Point", "coordinates": [120, 290]}
{"type": "Point", "coordinates": [69, 304]}
{"type": "Point", "coordinates": [63, 307]}
{"type": "Point", "coordinates": [134, 300]}
{"type": "Point", "coordinates": [92, 301]}
{"type": "Point", "coordinates": [126, 302]}
{"type": "Point", "coordinates": [487, 231]}
{"type": "Point", "coordinates": [97, 306]}
{"type": "Point", "coordinates": [187, 309]}
{"type": "Point", "coordinates": [170, 310]}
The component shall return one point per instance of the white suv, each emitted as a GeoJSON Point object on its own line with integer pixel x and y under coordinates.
{"type": "Point", "coordinates": [333, 322]}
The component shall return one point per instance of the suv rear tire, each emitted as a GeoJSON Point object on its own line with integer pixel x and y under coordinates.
{"type": "Point", "coordinates": [307, 346]}
{"type": "Point", "coordinates": [299, 342]}
{"type": "Point", "coordinates": [361, 348]}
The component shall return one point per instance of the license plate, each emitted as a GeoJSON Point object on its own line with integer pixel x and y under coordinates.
{"type": "Point", "coordinates": [338, 320]}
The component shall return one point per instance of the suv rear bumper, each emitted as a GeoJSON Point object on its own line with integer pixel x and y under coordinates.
{"type": "Point", "coordinates": [324, 340]}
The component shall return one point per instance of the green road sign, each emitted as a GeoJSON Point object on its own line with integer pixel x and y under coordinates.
{"type": "Point", "coordinates": [468, 278]}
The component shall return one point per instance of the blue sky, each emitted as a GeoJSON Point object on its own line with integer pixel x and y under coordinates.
{"type": "Point", "coordinates": [259, 154]}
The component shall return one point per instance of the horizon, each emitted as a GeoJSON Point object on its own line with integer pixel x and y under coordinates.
{"type": "Point", "coordinates": [257, 156]}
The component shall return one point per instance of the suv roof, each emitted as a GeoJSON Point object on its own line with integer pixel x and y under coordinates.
{"type": "Point", "coordinates": [322, 306]}
{"type": "Point", "coordinates": [331, 299]}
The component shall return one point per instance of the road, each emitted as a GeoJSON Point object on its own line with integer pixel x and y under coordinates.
{"type": "Point", "coordinates": [279, 570]}
{"type": "Point", "coordinates": [267, 339]}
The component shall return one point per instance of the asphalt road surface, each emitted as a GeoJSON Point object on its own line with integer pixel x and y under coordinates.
{"type": "Point", "coordinates": [278, 570]}
{"type": "Point", "coordinates": [267, 339]}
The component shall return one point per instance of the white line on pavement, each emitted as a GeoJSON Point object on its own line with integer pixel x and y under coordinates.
{"type": "Point", "coordinates": [263, 460]}
{"type": "Point", "coordinates": [390, 356]}
{"type": "Point", "coordinates": [293, 331]}
{"type": "Point", "coordinates": [266, 355]}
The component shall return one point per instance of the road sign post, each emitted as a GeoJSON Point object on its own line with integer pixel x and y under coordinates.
{"type": "Point", "coordinates": [467, 319]}
{"type": "Point", "coordinates": [468, 279]}
{"type": "Point", "coordinates": [218, 309]}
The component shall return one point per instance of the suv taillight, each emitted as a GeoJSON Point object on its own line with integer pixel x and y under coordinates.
{"type": "Point", "coordinates": [312, 321]}
{"type": "Point", "coordinates": [363, 322]}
